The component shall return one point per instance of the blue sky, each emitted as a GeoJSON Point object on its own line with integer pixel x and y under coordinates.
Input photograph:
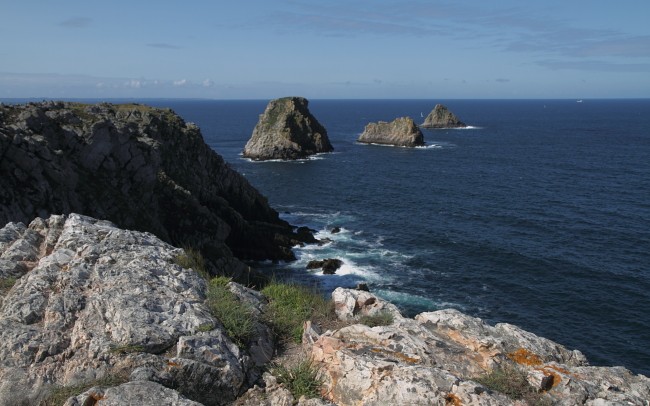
{"type": "Point", "coordinates": [325, 49]}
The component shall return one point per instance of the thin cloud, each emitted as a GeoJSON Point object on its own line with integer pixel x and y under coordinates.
{"type": "Point", "coordinates": [594, 65]}
{"type": "Point", "coordinates": [76, 22]}
{"type": "Point", "coordinates": [163, 45]}
{"type": "Point", "coordinates": [502, 80]}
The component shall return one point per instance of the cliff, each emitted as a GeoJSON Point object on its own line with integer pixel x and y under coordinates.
{"type": "Point", "coordinates": [107, 316]}
{"type": "Point", "coordinates": [401, 132]}
{"type": "Point", "coordinates": [441, 117]}
{"type": "Point", "coordinates": [287, 130]}
{"type": "Point", "coordinates": [140, 167]}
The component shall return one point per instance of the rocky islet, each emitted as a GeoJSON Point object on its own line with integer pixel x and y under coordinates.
{"type": "Point", "coordinates": [401, 132]}
{"type": "Point", "coordinates": [441, 117]}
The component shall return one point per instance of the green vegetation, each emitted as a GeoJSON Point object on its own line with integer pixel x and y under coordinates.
{"type": "Point", "coordinates": [512, 382]}
{"type": "Point", "coordinates": [236, 317]}
{"type": "Point", "coordinates": [382, 318]}
{"type": "Point", "coordinates": [60, 394]}
{"type": "Point", "coordinates": [290, 305]}
{"type": "Point", "coordinates": [6, 284]}
{"type": "Point", "coordinates": [300, 380]}
{"type": "Point", "coordinates": [192, 258]}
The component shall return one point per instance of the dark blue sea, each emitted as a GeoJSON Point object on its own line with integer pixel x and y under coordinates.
{"type": "Point", "coordinates": [537, 215]}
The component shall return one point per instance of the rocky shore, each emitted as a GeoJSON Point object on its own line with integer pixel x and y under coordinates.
{"type": "Point", "coordinates": [110, 316]}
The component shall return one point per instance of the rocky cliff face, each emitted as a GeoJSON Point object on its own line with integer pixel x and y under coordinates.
{"type": "Point", "coordinates": [287, 130]}
{"type": "Point", "coordinates": [441, 117]}
{"type": "Point", "coordinates": [401, 132]}
{"type": "Point", "coordinates": [140, 167]}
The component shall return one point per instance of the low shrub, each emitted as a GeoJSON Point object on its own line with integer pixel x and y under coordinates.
{"type": "Point", "coordinates": [382, 318]}
{"type": "Point", "coordinates": [290, 305]}
{"type": "Point", "coordinates": [237, 318]}
{"type": "Point", "coordinates": [300, 380]}
{"type": "Point", "coordinates": [512, 382]}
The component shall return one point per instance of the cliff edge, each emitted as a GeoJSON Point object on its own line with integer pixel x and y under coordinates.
{"type": "Point", "coordinates": [140, 167]}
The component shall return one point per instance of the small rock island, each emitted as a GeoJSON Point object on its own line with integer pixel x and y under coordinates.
{"type": "Point", "coordinates": [287, 130]}
{"type": "Point", "coordinates": [401, 132]}
{"type": "Point", "coordinates": [441, 117]}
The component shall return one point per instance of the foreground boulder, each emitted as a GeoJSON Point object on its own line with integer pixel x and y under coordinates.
{"type": "Point", "coordinates": [441, 117]}
{"type": "Point", "coordinates": [287, 130]}
{"type": "Point", "coordinates": [94, 306]}
{"type": "Point", "coordinates": [436, 357]}
{"type": "Point", "coordinates": [140, 167]}
{"type": "Point", "coordinates": [401, 132]}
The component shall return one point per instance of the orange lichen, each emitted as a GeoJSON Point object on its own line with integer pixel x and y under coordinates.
{"type": "Point", "coordinates": [552, 370]}
{"type": "Point", "coordinates": [173, 364]}
{"type": "Point", "coordinates": [523, 356]}
{"type": "Point", "coordinates": [452, 400]}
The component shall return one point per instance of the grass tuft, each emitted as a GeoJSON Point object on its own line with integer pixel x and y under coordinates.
{"type": "Point", "coordinates": [60, 394]}
{"type": "Point", "coordinates": [6, 284]}
{"type": "Point", "coordinates": [300, 380]}
{"type": "Point", "coordinates": [237, 318]}
{"type": "Point", "coordinates": [382, 318]}
{"type": "Point", "coordinates": [290, 306]}
{"type": "Point", "coordinates": [512, 382]}
{"type": "Point", "coordinates": [191, 258]}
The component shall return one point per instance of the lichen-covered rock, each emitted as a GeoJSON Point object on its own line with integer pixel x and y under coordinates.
{"type": "Point", "coordinates": [401, 132]}
{"type": "Point", "coordinates": [287, 130]}
{"type": "Point", "coordinates": [434, 359]}
{"type": "Point", "coordinates": [140, 167]}
{"type": "Point", "coordinates": [441, 117]}
{"type": "Point", "coordinates": [97, 301]}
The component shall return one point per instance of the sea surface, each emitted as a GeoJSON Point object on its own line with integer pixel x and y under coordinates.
{"type": "Point", "coordinates": [538, 214]}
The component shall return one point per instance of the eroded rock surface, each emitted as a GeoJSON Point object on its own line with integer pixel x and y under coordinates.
{"type": "Point", "coordinates": [92, 300]}
{"type": "Point", "coordinates": [441, 117]}
{"type": "Point", "coordinates": [287, 130]}
{"type": "Point", "coordinates": [433, 359]}
{"type": "Point", "coordinates": [401, 132]}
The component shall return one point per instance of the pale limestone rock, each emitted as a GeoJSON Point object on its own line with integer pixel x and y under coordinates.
{"type": "Point", "coordinates": [97, 301]}
{"type": "Point", "coordinates": [140, 393]}
{"type": "Point", "coordinates": [349, 304]}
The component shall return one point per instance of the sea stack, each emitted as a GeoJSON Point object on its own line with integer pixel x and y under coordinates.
{"type": "Point", "coordinates": [441, 117]}
{"type": "Point", "coordinates": [401, 132]}
{"type": "Point", "coordinates": [287, 130]}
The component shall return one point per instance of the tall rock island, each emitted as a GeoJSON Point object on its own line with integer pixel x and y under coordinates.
{"type": "Point", "coordinates": [441, 117]}
{"type": "Point", "coordinates": [140, 167]}
{"type": "Point", "coordinates": [401, 132]}
{"type": "Point", "coordinates": [287, 130]}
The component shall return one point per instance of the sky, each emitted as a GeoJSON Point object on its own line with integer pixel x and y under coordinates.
{"type": "Point", "coordinates": [340, 49]}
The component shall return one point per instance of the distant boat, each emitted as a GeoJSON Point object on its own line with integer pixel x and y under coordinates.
{"type": "Point", "coordinates": [579, 101]}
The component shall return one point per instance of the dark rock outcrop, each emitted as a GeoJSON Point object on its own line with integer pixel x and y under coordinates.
{"type": "Point", "coordinates": [401, 132]}
{"type": "Point", "coordinates": [287, 130]}
{"type": "Point", "coordinates": [329, 266]}
{"type": "Point", "coordinates": [441, 117]}
{"type": "Point", "coordinates": [142, 168]}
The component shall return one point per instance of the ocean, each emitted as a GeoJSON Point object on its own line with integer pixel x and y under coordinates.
{"type": "Point", "coordinates": [538, 214]}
